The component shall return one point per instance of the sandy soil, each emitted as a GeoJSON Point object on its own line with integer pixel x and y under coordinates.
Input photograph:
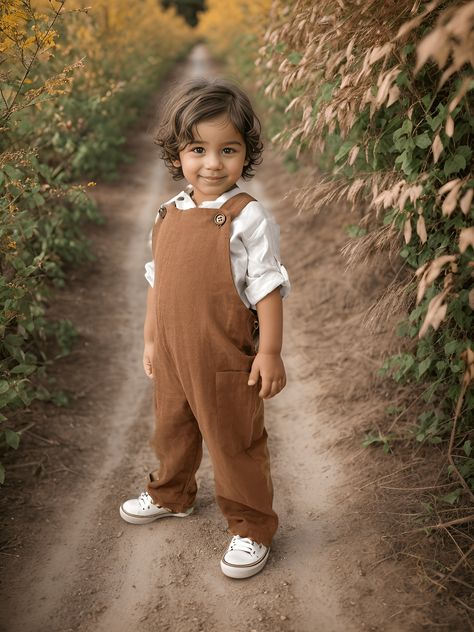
{"type": "Point", "coordinates": [71, 563]}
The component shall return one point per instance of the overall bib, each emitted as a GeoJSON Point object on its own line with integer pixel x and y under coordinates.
{"type": "Point", "coordinates": [204, 346]}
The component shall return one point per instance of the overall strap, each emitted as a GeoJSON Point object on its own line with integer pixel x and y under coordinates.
{"type": "Point", "coordinates": [236, 204]}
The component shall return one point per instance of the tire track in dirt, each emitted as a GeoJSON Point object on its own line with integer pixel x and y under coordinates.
{"type": "Point", "coordinates": [100, 573]}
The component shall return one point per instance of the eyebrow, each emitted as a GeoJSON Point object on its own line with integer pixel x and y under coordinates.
{"type": "Point", "coordinates": [204, 142]}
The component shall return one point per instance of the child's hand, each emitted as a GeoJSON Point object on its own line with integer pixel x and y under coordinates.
{"type": "Point", "coordinates": [270, 367]}
{"type": "Point", "coordinates": [147, 359]}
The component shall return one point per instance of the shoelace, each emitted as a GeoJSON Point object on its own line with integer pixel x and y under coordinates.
{"type": "Point", "coordinates": [243, 544]}
{"type": "Point", "coordinates": [145, 500]}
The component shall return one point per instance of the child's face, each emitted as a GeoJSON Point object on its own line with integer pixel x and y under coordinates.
{"type": "Point", "coordinates": [214, 160]}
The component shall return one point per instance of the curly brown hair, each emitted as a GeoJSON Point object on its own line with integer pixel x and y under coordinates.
{"type": "Point", "coordinates": [201, 100]}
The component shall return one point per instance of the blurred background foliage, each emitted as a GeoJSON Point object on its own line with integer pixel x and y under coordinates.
{"type": "Point", "coordinates": [72, 80]}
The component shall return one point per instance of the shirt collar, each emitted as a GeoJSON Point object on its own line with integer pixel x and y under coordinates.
{"type": "Point", "coordinates": [184, 200]}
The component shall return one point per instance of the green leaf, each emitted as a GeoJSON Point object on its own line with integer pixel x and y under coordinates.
{"type": "Point", "coordinates": [423, 140]}
{"type": "Point", "coordinates": [12, 173]}
{"type": "Point", "coordinates": [451, 347]}
{"type": "Point", "coordinates": [426, 100]}
{"type": "Point", "coordinates": [454, 164]}
{"type": "Point", "coordinates": [452, 497]}
{"type": "Point", "coordinates": [60, 398]}
{"type": "Point", "coordinates": [14, 340]}
{"type": "Point", "coordinates": [467, 447]}
{"type": "Point", "coordinates": [295, 57]}
{"type": "Point", "coordinates": [343, 150]}
{"type": "Point", "coordinates": [26, 369]}
{"type": "Point", "coordinates": [355, 231]}
{"type": "Point", "coordinates": [407, 126]}
{"type": "Point", "coordinates": [12, 438]}
{"type": "Point", "coordinates": [424, 366]}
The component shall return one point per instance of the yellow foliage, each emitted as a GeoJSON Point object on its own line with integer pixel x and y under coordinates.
{"type": "Point", "coordinates": [224, 24]}
{"type": "Point", "coordinates": [104, 42]}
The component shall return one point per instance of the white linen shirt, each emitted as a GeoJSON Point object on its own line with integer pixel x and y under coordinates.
{"type": "Point", "coordinates": [254, 248]}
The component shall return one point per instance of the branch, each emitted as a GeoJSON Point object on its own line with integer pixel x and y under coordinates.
{"type": "Point", "coordinates": [58, 11]}
{"type": "Point", "coordinates": [443, 525]}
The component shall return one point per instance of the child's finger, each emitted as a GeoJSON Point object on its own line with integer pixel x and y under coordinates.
{"type": "Point", "coordinates": [148, 368]}
{"type": "Point", "coordinates": [253, 377]}
{"type": "Point", "coordinates": [266, 388]}
{"type": "Point", "coordinates": [271, 391]}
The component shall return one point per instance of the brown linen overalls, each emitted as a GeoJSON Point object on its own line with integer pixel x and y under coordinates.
{"type": "Point", "coordinates": [204, 346]}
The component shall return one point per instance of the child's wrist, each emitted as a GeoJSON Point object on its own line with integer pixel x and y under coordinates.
{"type": "Point", "coordinates": [269, 352]}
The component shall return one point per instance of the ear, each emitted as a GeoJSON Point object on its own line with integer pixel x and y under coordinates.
{"type": "Point", "coordinates": [176, 163]}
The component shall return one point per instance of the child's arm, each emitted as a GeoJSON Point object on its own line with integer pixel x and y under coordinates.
{"type": "Point", "coordinates": [148, 335]}
{"type": "Point", "coordinates": [268, 362]}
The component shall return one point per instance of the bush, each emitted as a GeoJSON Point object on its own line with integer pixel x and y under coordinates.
{"type": "Point", "coordinates": [76, 79]}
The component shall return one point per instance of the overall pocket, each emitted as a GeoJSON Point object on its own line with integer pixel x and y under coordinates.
{"type": "Point", "coordinates": [237, 404]}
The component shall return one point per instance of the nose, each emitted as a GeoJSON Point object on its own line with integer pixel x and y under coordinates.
{"type": "Point", "coordinates": [213, 160]}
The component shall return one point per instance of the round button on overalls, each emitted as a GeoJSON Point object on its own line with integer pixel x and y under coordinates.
{"type": "Point", "coordinates": [219, 219]}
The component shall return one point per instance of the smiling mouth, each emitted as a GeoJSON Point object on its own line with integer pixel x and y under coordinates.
{"type": "Point", "coordinates": [215, 179]}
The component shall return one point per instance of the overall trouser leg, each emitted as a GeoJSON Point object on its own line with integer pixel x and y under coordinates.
{"type": "Point", "coordinates": [177, 440]}
{"type": "Point", "coordinates": [244, 490]}
{"type": "Point", "coordinates": [231, 419]}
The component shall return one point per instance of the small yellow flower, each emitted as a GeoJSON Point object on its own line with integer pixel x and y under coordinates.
{"type": "Point", "coordinates": [11, 244]}
{"type": "Point", "coordinates": [92, 184]}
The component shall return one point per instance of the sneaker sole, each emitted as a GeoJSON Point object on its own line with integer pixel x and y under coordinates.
{"type": "Point", "coordinates": [132, 519]}
{"type": "Point", "coordinates": [242, 572]}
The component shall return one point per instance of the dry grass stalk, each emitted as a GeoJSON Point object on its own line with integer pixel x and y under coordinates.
{"type": "Point", "coordinates": [363, 249]}
{"type": "Point", "coordinates": [328, 46]}
{"type": "Point", "coordinates": [394, 300]}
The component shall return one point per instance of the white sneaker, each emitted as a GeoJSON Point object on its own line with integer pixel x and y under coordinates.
{"type": "Point", "coordinates": [142, 510]}
{"type": "Point", "coordinates": [244, 558]}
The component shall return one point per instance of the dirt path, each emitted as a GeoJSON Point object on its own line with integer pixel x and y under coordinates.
{"type": "Point", "coordinates": [73, 564]}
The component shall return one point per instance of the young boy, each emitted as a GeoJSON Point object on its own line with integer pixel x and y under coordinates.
{"type": "Point", "coordinates": [214, 322]}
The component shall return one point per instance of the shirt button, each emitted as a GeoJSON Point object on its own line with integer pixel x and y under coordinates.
{"type": "Point", "coordinates": [219, 219]}
{"type": "Point", "coordinates": [181, 199]}
{"type": "Point", "coordinates": [162, 211]}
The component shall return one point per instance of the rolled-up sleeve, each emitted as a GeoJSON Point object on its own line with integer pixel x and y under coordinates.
{"type": "Point", "coordinates": [150, 272]}
{"type": "Point", "coordinates": [150, 265]}
{"type": "Point", "coordinates": [265, 271]}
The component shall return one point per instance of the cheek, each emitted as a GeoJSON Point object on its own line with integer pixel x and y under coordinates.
{"type": "Point", "coordinates": [189, 161]}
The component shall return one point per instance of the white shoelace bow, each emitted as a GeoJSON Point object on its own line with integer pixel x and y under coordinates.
{"type": "Point", "coordinates": [145, 500]}
{"type": "Point", "coordinates": [245, 545]}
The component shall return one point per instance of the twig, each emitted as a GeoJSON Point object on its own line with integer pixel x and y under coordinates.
{"type": "Point", "coordinates": [459, 562]}
{"type": "Point", "coordinates": [50, 441]}
{"type": "Point", "coordinates": [454, 541]}
{"type": "Point", "coordinates": [26, 428]}
{"type": "Point", "coordinates": [15, 465]}
{"type": "Point", "coordinates": [462, 603]}
{"type": "Point", "coordinates": [418, 489]}
{"type": "Point", "coordinates": [384, 559]}
{"type": "Point", "coordinates": [439, 586]}
{"type": "Point", "coordinates": [443, 525]}
{"type": "Point", "coordinates": [462, 582]}
{"type": "Point", "coordinates": [32, 60]}
{"type": "Point", "coordinates": [388, 475]}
